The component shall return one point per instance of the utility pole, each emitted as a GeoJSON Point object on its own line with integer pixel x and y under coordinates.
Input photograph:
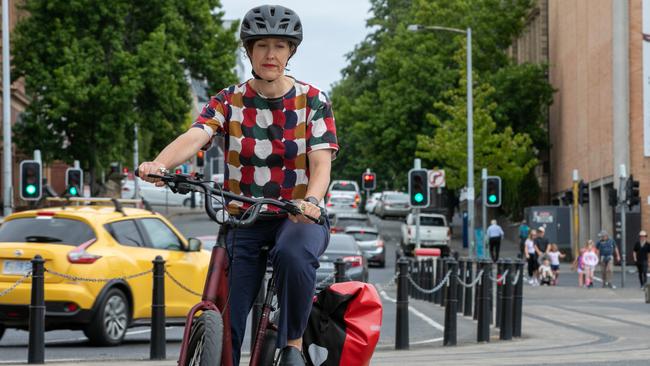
{"type": "Point", "coordinates": [7, 182]}
{"type": "Point", "coordinates": [136, 163]}
{"type": "Point", "coordinates": [576, 215]}
{"type": "Point", "coordinates": [623, 205]}
{"type": "Point", "coordinates": [484, 175]}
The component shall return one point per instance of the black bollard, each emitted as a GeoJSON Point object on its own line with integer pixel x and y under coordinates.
{"type": "Point", "coordinates": [483, 327]}
{"type": "Point", "coordinates": [477, 289]}
{"type": "Point", "coordinates": [36, 346]}
{"type": "Point", "coordinates": [257, 309]}
{"type": "Point", "coordinates": [499, 290]}
{"type": "Point", "coordinates": [490, 296]}
{"type": "Point", "coordinates": [459, 287]}
{"type": "Point", "coordinates": [402, 304]}
{"type": "Point", "coordinates": [469, 278]}
{"type": "Point", "coordinates": [518, 300]}
{"type": "Point", "coordinates": [339, 270]}
{"type": "Point", "coordinates": [449, 334]}
{"type": "Point", "coordinates": [445, 269]}
{"type": "Point", "coordinates": [436, 295]}
{"type": "Point", "coordinates": [419, 279]}
{"type": "Point", "coordinates": [158, 342]}
{"type": "Point", "coordinates": [505, 328]}
{"type": "Point", "coordinates": [410, 271]}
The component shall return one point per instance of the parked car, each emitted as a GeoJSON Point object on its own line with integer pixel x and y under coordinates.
{"type": "Point", "coordinates": [392, 204]}
{"type": "Point", "coordinates": [344, 219]}
{"type": "Point", "coordinates": [370, 243]}
{"type": "Point", "coordinates": [341, 204]}
{"type": "Point", "coordinates": [348, 188]}
{"type": "Point", "coordinates": [371, 202]}
{"type": "Point", "coordinates": [159, 195]}
{"type": "Point", "coordinates": [345, 247]}
{"type": "Point", "coordinates": [97, 242]}
{"type": "Point", "coordinates": [434, 233]}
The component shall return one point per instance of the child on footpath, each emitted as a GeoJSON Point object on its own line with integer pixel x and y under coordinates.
{"type": "Point", "coordinates": [590, 260]}
{"type": "Point", "coordinates": [579, 266]}
{"type": "Point", "coordinates": [545, 273]}
{"type": "Point", "coordinates": [555, 255]}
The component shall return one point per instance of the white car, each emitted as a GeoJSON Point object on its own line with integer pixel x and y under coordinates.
{"type": "Point", "coordinates": [434, 233]}
{"type": "Point", "coordinates": [372, 202]}
{"type": "Point", "coordinates": [159, 195]}
{"type": "Point", "coordinates": [347, 188]}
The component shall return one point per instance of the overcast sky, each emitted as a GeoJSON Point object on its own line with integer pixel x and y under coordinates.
{"type": "Point", "coordinates": [331, 29]}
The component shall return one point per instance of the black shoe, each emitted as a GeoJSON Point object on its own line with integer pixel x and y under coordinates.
{"type": "Point", "coordinates": [291, 356]}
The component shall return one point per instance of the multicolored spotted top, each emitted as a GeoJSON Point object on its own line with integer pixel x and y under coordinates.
{"type": "Point", "coordinates": [268, 140]}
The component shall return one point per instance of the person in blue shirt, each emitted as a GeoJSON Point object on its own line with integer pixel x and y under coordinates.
{"type": "Point", "coordinates": [494, 234]}
{"type": "Point", "coordinates": [607, 249]}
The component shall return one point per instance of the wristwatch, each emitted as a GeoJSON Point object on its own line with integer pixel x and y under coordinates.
{"type": "Point", "coordinates": [312, 200]}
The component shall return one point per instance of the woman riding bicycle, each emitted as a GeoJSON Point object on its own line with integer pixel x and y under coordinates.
{"type": "Point", "coordinates": [280, 141]}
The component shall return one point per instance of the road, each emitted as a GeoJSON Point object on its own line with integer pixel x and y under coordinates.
{"type": "Point", "coordinates": [563, 323]}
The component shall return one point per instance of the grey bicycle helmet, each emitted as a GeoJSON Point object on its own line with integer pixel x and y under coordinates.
{"type": "Point", "coordinates": [271, 21]}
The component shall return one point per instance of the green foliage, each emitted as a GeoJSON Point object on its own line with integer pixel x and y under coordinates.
{"type": "Point", "coordinates": [396, 79]}
{"type": "Point", "coordinates": [95, 68]}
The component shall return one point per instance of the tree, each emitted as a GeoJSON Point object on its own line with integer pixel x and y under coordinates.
{"type": "Point", "coordinates": [94, 68]}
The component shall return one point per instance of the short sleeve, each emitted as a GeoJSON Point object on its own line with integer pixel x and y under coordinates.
{"type": "Point", "coordinates": [214, 115]}
{"type": "Point", "coordinates": [321, 127]}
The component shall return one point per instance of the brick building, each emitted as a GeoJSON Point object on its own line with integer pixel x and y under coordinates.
{"type": "Point", "coordinates": [596, 122]}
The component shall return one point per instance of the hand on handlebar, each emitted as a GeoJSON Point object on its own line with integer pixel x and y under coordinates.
{"type": "Point", "coordinates": [308, 209]}
{"type": "Point", "coordinates": [151, 167]}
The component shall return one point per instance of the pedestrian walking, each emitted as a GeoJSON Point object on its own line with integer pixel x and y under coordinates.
{"type": "Point", "coordinates": [590, 261]}
{"type": "Point", "coordinates": [640, 254]}
{"type": "Point", "coordinates": [607, 249]}
{"type": "Point", "coordinates": [524, 229]}
{"type": "Point", "coordinates": [495, 234]}
{"type": "Point", "coordinates": [555, 255]}
{"type": "Point", "coordinates": [541, 242]}
{"type": "Point", "coordinates": [531, 257]}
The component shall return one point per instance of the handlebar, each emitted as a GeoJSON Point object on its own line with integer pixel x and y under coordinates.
{"type": "Point", "coordinates": [183, 183]}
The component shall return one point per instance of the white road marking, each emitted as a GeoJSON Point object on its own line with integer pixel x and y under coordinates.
{"type": "Point", "coordinates": [415, 312]}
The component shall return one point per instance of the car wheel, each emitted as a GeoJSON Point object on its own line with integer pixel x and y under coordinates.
{"type": "Point", "coordinates": [109, 323]}
{"type": "Point", "coordinates": [2, 331]}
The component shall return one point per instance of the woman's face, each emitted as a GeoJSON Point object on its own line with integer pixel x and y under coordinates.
{"type": "Point", "coordinates": [269, 56]}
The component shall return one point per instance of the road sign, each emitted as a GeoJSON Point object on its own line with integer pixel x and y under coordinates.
{"type": "Point", "coordinates": [436, 178]}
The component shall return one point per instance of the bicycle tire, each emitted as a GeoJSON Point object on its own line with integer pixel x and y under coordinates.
{"type": "Point", "coordinates": [206, 340]}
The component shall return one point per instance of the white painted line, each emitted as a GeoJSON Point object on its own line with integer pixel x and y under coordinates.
{"type": "Point", "coordinates": [415, 312]}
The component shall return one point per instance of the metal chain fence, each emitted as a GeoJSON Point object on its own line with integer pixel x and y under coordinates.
{"type": "Point", "coordinates": [516, 279]}
{"type": "Point", "coordinates": [82, 279]}
{"type": "Point", "coordinates": [179, 284]}
{"type": "Point", "coordinates": [444, 281]}
{"type": "Point", "coordinates": [501, 280]}
{"type": "Point", "coordinates": [477, 279]}
{"type": "Point", "coordinates": [16, 284]}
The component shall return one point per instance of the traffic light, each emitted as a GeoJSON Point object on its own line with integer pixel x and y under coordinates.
{"type": "Point", "coordinates": [368, 181]}
{"type": "Point", "coordinates": [613, 197]}
{"type": "Point", "coordinates": [418, 188]}
{"type": "Point", "coordinates": [583, 192]}
{"type": "Point", "coordinates": [493, 191]}
{"type": "Point", "coordinates": [31, 188]}
{"type": "Point", "coordinates": [73, 182]}
{"type": "Point", "coordinates": [567, 198]}
{"type": "Point", "coordinates": [200, 159]}
{"type": "Point", "coordinates": [632, 192]}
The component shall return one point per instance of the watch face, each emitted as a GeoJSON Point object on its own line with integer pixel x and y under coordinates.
{"type": "Point", "coordinates": [312, 200]}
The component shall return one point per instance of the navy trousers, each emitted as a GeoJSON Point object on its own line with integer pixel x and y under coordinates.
{"type": "Point", "coordinates": [294, 253]}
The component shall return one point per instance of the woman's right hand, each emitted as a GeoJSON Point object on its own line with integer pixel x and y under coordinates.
{"type": "Point", "coordinates": [151, 167]}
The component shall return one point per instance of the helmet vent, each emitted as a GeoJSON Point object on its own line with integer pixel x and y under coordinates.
{"type": "Point", "coordinates": [283, 26]}
{"type": "Point", "coordinates": [272, 10]}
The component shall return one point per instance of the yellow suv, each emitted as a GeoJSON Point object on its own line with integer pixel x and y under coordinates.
{"type": "Point", "coordinates": [97, 242]}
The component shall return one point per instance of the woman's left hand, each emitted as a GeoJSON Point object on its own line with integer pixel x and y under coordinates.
{"type": "Point", "coordinates": [308, 209]}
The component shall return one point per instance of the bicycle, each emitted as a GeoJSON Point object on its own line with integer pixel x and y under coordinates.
{"type": "Point", "coordinates": [207, 339]}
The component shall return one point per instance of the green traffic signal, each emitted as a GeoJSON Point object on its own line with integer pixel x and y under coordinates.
{"type": "Point", "coordinates": [492, 198]}
{"type": "Point", "coordinates": [30, 189]}
{"type": "Point", "coordinates": [419, 197]}
{"type": "Point", "coordinates": [73, 191]}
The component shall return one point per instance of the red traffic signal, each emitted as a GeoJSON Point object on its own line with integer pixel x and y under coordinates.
{"type": "Point", "coordinates": [200, 158]}
{"type": "Point", "coordinates": [368, 181]}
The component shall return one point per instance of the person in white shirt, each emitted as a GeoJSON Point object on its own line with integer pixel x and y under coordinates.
{"type": "Point", "coordinates": [555, 255]}
{"type": "Point", "coordinates": [494, 234]}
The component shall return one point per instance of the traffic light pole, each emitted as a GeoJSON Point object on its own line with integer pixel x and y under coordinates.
{"type": "Point", "coordinates": [136, 194]}
{"type": "Point", "coordinates": [417, 164]}
{"type": "Point", "coordinates": [623, 202]}
{"type": "Point", "coordinates": [7, 165]}
{"type": "Point", "coordinates": [484, 175]}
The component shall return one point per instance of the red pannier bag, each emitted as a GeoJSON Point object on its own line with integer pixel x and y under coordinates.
{"type": "Point", "coordinates": [344, 324]}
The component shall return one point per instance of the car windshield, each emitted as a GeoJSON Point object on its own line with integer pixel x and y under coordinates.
{"type": "Point", "coordinates": [362, 235]}
{"type": "Point", "coordinates": [348, 187]}
{"type": "Point", "coordinates": [397, 197]}
{"type": "Point", "coordinates": [341, 243]}
{"type": "Point", "coordinates": [46, 230]}
{"type": "Point", "coordinates": [432, 221]}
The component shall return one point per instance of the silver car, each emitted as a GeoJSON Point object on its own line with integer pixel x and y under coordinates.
{"type": "Point", "coordinates": [371, 203]}
{"type": "Point", "coordinates": [370, 243]}
{"type": "Point", "coordinates": [345, 247]}
{"type": "Point", "coordinates": [393, 204]}
{"type": "Point", "coordinates": [341, 204]}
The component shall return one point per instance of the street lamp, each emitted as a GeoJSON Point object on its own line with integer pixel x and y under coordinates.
{"type": "Point", "coordinates": [470, 124]}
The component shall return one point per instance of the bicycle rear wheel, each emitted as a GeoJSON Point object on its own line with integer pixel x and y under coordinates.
{"type": "Point", "coordinates": [206, 340]}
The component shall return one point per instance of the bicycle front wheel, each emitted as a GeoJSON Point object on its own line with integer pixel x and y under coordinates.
{"type": "Point", "coordinates": [206, 340]}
